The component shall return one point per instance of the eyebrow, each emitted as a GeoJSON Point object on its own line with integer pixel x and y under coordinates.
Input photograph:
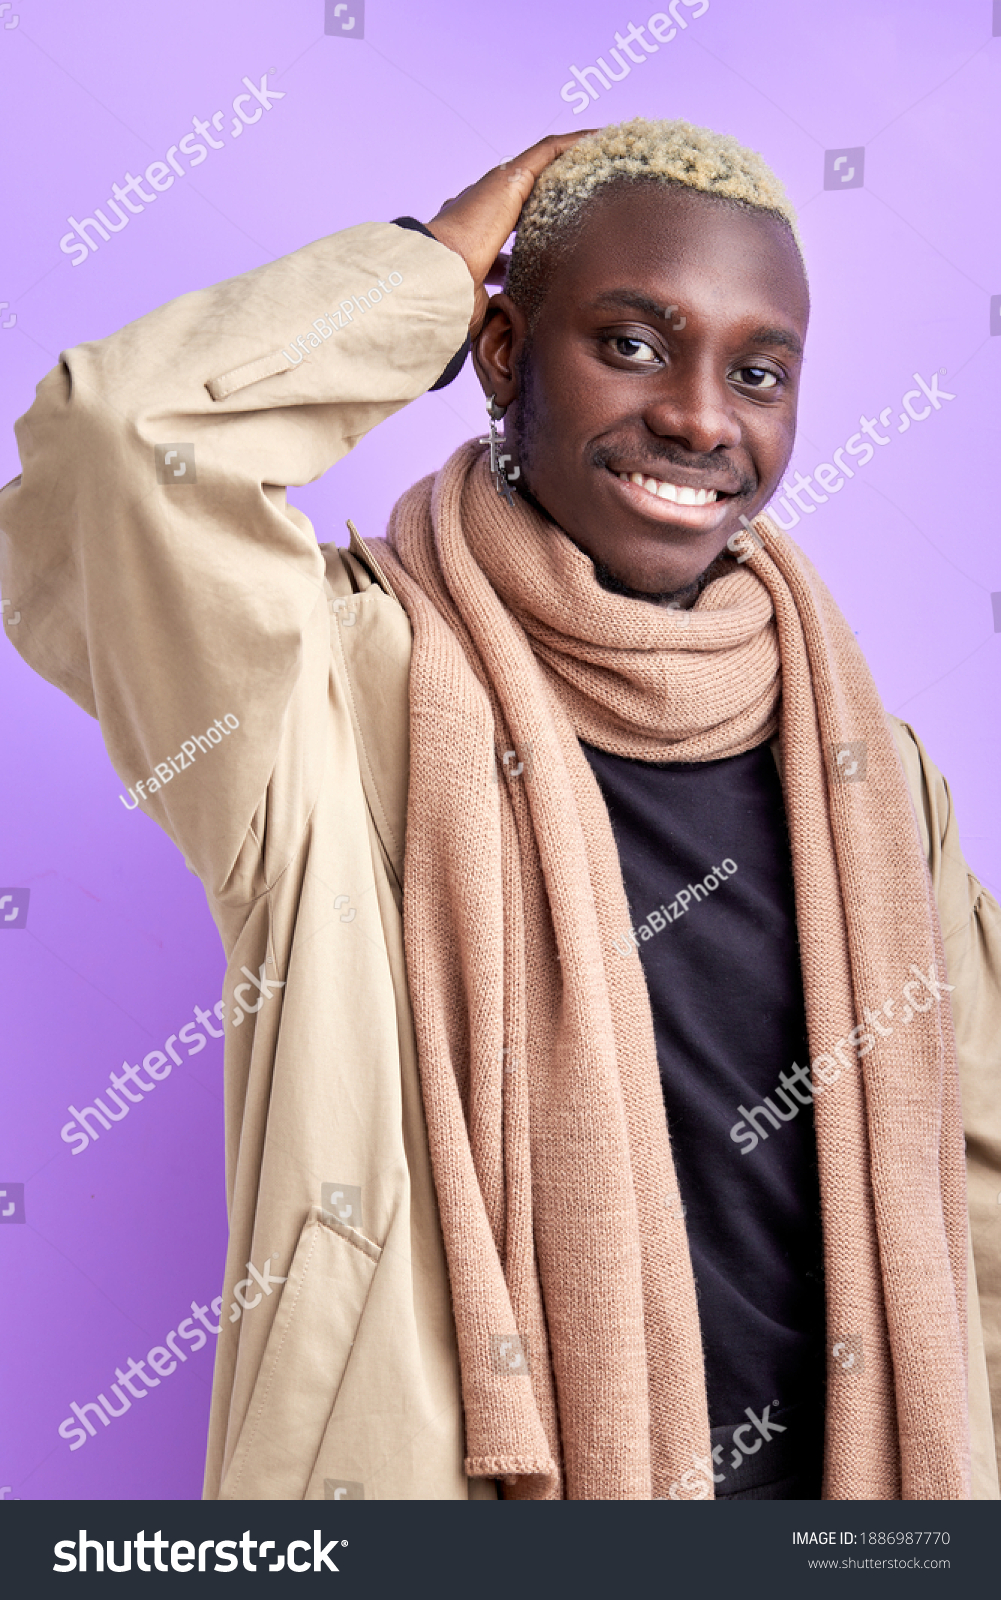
{"type": "Point", "coordinates": [781, 337]}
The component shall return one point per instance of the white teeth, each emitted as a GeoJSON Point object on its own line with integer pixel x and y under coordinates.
{"type": "Point", "coordinates": [680, 495]}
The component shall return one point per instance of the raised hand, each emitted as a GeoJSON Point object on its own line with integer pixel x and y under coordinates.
{"type": "Point", "coordinates": [478, 221]}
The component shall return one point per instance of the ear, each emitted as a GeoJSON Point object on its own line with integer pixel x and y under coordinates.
{"type": "Point", "coordinates": [498, 346]}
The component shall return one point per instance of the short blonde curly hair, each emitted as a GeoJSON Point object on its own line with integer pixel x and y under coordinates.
{"type": "Point", "coordinates": [677, 153]}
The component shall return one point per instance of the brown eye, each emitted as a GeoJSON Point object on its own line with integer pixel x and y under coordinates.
{"type": "Point", "coordinates": [635, 349]}
{"type": "Point", "coordinates": [757, 378]}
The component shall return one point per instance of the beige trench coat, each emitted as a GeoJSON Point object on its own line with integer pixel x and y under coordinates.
{"type": "Point", "coordinates": [166, 601]}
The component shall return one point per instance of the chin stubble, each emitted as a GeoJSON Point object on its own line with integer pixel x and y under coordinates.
{"type": "Point", "coordinates": [683, 598]}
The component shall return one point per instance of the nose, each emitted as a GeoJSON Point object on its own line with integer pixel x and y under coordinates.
{"type": "Point", "coordinates": [693, 406]}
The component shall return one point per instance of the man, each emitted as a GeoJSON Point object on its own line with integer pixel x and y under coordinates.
{"type": "Point", "coordinates": [570, 803]}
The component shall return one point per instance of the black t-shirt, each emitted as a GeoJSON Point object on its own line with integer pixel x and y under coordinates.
{"type": "Point", "coordinates": [722, 969]}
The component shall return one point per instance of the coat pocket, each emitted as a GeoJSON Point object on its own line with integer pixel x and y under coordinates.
{"type": "Point", "coordinates": [304, 1361]}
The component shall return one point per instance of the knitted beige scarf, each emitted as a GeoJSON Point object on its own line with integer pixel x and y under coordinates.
{"type": "Point", "coordinates": [571, 1279]}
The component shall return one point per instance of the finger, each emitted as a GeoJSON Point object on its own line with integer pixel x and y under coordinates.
{"type": "Point", "coordinates": [480, 302]}
{"type": "Point", "coordinates": [539, 156]}
{"type": "Point", "coordinates": [498, 272]}
{"type": "Point", "coordinates": [521, 171]}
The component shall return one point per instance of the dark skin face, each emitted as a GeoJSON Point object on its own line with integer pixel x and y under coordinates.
{"type": "Point", "coordinates": [609, 384]}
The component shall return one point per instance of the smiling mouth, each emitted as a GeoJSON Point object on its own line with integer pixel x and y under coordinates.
{"type": "Point", "coordinates": [678, 494]}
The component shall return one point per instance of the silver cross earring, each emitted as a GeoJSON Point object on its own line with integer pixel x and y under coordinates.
{"type": "Point", "coordinates": [504, 476]}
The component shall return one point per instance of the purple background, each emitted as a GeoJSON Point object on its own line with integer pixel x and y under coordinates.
{"type": "Point", "coordinates": [118, 946]}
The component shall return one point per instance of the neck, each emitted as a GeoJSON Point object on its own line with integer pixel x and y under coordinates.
{"type": "Point", "coordinates": [678, 599]}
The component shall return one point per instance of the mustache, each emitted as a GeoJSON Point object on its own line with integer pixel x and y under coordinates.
{"type": "Point", "coordinates": [604, 455]}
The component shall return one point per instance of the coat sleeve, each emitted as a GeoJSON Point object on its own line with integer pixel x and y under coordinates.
{"type": "Point", "coordinates": [160, 577]}
{"type": "Point", "coordinates": [971, 932]}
